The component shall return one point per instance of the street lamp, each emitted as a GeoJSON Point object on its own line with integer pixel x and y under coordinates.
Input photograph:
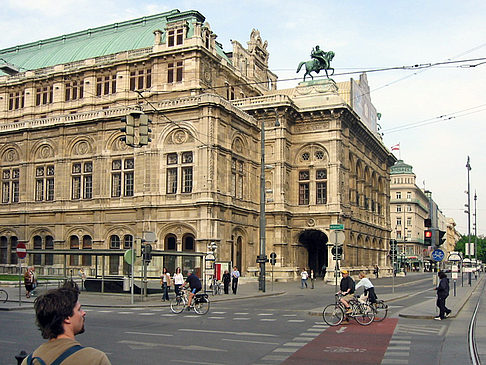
{"type": "Point", "coordinates": [262, 256]}
{"type": "Point", "coordinates": [468, 249]}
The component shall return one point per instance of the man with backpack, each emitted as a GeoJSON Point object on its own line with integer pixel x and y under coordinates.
{"type": "Point", "coordinates": [60, 318]}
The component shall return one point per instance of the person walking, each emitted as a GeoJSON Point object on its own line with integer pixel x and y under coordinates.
{"type": "Point", "coordinates": [178, 280]}
{"type": "Point", "coordinates": [235, 274]}
{"type": "Point", "coordinates": [165, 283]}
{"type": "Point", "coordinates": [303, 278]}
{"type": "Point", "coordinates": [312, 277]}
{"type": "Point", "coordinates": [29, 282]}
{"type": "Point", "coordinates": [226, 281]}
{"type": "Point", "coordinates": [60, 318]}
{"type": "Point", "coordinates": [376, 271]}
{"type": "Point", "coordinates": [323, 271]}
{"type": "Point", "coordinates": [442, 294]}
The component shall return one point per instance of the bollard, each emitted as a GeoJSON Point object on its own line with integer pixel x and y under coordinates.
{"type": "Point", "coordinates": [20, 357]}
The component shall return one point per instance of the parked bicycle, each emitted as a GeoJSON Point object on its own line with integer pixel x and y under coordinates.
{"type": "Point", "coordinates": [362, 312]}
{"type": "Point", "coordinates": [216, 287]}
{"type": "Point", "coordinates": [3, 296]}
{"type": "Point", "coordinates": [200, 302]}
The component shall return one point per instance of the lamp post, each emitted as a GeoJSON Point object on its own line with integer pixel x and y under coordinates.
{"type": "Point", "coordinates": [468, 249]}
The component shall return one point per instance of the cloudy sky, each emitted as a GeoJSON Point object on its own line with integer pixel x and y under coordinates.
{"type": "Point", "coordinates": [437, 114]}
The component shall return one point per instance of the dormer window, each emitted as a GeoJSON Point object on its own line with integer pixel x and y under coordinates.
{"type": "Point", "coordinates": [175, 37]}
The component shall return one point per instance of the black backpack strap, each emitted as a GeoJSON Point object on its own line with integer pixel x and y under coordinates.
{"type": "Point", "coordinates": [66, 354]}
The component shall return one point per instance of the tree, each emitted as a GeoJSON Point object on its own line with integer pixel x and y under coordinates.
{"type": "Point", "coordinates": [481, 240]}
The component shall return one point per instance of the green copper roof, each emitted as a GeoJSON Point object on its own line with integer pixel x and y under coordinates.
{"type": "Point", "coordinates": [96, 42]}
{"type": "Point", "coordinates": [401, 167]}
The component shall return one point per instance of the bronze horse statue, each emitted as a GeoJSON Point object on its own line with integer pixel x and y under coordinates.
{"type": "Point", "coordinates": [317, 65]}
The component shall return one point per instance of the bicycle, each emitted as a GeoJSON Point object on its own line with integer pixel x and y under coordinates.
{"type": "Point", "coordinates": [3, 296]}
{"type": "Point", "coordinates": [216, 287]}
{"type": "Point", "coordinates": [362, 312]}
{"type": "Point", "coordinates": [200, 302]}
{"type": "Point", "coordinates": [381, 310]}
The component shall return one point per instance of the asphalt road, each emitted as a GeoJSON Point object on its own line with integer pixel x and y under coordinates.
{"type": "Point", "coordinates": [268, 330]}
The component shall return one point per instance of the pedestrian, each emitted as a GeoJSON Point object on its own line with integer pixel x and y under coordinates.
{"type": "Point", "coordinates": [226, 281]}
{"type": "Point", "coordinates": [165, 284]}
{"type": "Point", "coordinates": [442, 294]}
{"type": "Point", "coordinates": [369, 289]}
{"type": "Point", "coordinates": [60, 318]}
{"type": "Point", "coordinates": [303, 278]}
{"type": "Point", "coordinates": [376, 271]}
{"type": "Point", "coordinates": [178, 280]}
{"type": "Point", "coordinates": [29, 282]}
{"type": "Point", "coordinates": [235, 274]}
{"type": "Point", "coordinates": [312, 279]}
{"type": "Point", "coordinates": [323, 271]}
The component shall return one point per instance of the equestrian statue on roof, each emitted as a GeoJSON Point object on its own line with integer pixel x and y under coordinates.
{"type": "Point", "coordinates": [320, 61]}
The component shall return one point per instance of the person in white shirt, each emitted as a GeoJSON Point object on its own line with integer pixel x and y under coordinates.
{"type": "Point", "coordinates": [235, 274]}
{"type": "Point", "coordinates": [369, 289]}
{"type": "Point", "coordinates": [304, 276]}
{"type": "Point", "coordinates": [178, 280]}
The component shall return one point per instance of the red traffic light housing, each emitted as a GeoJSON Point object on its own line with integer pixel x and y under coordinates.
{"type": "Point", "coordinates": [428, 237]}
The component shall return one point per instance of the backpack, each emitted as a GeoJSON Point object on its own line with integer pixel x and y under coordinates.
{"type": "Point", "coordinates": [59, 360]}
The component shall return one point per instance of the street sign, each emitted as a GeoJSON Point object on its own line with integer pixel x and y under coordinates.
{"type": "Point", "coordinates": [262, 259]}
{"type": "Point", "coordinates": [339, 251]}
{"type": "Point", "coordinates": [337, 237]}
{"type": "Point", "coordinates": [149, 236]}
{"type": "Point", "coordinates": [127, 256]}
{"type": "Point", "coordinates": [21, 250]}
{"type": "Point", "coordinates": [336, 226]}
{"type": "Point", "coordinates": [273, 255]}
{"type": "Point", "coordinates": [438, 255]}
{"type": "Point", "coordinates": [454, 256]}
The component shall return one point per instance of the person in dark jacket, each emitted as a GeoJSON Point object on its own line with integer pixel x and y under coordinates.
{"type": "Point", "coordinates": [226, 281]}
{"type": "Point", "coordinates": [442, 294]}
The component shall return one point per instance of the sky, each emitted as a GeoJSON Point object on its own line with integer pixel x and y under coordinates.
{"type": "Point", "coordinates": [437, 114]}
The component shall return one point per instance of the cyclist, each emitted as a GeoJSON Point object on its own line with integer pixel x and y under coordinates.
{"type": "Point", "coordinates": [194, 284]}
{"type": "Point", "coordinates": [369, 289]}
{"type": "Point", "coordinates": [347, 290]}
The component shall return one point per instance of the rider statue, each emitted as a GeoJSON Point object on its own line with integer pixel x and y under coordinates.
{"type": "Point", "coordinates": [319, 55]}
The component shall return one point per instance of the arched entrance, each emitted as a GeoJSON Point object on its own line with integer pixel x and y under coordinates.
{"type": "Point", "coordinates": [315, 242]}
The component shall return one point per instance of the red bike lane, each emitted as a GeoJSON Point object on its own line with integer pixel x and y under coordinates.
{"type": "Point", "coordinates": [347, 344]}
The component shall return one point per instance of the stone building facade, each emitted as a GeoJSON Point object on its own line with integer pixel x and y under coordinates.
{"type": "Point", "coordinates": [70, 185]}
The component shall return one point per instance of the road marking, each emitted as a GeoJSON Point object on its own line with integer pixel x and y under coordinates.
{"type": "Point", "coordinates": [228, 332]}
{"type": "Point", "coordinates": [219, 312]}
{"type": "Point", "coordinates": [241, 319]}
{"type": "Point", "coordinates": [296, 320]}
{"type": "Point", "coordinates": [394, 361]}
{"type": "Point", "coordinates": [105, 311]}
{"type": "Point", "coordinates": [241, 313]}
{"type": "Point", "coordinates": [216, 317]}
{"type": "Point", "coordinates": [149, 334]}
{"type": "Point", "coordinates": [290, 315]}
{"type": "Point", "coordinates": [306, 334]}
{"type": "Point", "coordinates": [287, 349]}
{"type": "Point", "coordinates": [146, 314]}
{"type": "Point", "coordinates": [342, 329]}
{"type": "Point", "coordinates": [300, 344]}
{"type": "Point", "coordinates": [265, 314]}
{"type": "Point", "coordinates": [257, 342]}
{"type": "Point", "coordinates": [274, 357]}
{"type": "Point", "coordinates": [268, 319]}
{"type": "Point", "coordinates": [125, 312]}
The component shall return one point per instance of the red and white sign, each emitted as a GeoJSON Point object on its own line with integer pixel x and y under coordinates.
{"type": "Point", "coordinates": [21, 250]}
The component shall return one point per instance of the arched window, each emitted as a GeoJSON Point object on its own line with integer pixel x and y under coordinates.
{"type": "Point", "coordinates": [114, 260]}
{"type": "Point", "coordinates": [127, 241]}
{"type": "Point", "coordinates": [37, 246]}
{"type": "Point", "coordinates": [170, 243]}
{"type": "Point", "coordinates": [49, 246]}
{"type": "Point", "coordinates": [114, 242]}
{"type": "Point", "coordinates": [13, 250]}
{"type": "Point", "coordinates": [87, 245]}
{"type": "Point", "coordinates": [74, 245]}
{"type": "Point", "coordinates": [3, 250]}
{"type": "Point", "coordinates": [188, 243]}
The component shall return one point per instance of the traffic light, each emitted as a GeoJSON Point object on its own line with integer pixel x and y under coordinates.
{"type": "Point", "coordinates": [427, 222]}
{"type": "Point", "coordinates": [144, 130]}
{"type": "Point", "coordinates": [147, 252]}
{"type": "Point", "coordinates": [273, 258]}
{"type": "Point", "coordinates": [442, 239]}
{"type": "Point", "coordinates": [138, 247]}
{"type": "Point", "coordinates": [393, 249]}
{"type": "Point", "coordinates": [129, 129]}
{"type": "Point", "coordinates": [428, 237]}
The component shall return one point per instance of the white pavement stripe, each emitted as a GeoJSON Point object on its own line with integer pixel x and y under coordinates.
{"type": "Point", "coordinates": [125, 312]}
{"type": "Point", "coordinates": [320, 323]}
{"type": "Point", "coordinates": [104, 311]}
{"type": "Point", "coordinates": [401, 342]}
{"type": "Point", "coordinates": [290, 315]}
{"type": "Point", "coordinates": [241, 319]}
{"type": "Point", "coordinates": [314, 329]}
{"type": "Point", "coordinates": [149, 334]}
{"type": "Point", "coordinates": [395, 353]}
{"type": "Point", "coordinates": [394, 348]}
{"type": "Point", "coordinates": [268, 319]}
{"type": "Point", "coordinates": [191, 316]}
{"type": "Point", "coordinates": [287, 349]}
{"type": "Point", "coordinates": [216, 317]}
{"type": "Point", "coordinates": [257, 342]}
{"type": "Point", "coordinates": [146, 314]}
{"type": "Point", "coordinates": [241, 313]}
{"type": "Point", "coordinates": [306, 334]}
{"type": "Point", "coordinates": [302, 339]}
{"type": "Point", "coordinates": [265, 314]}
{"type": "Point", "coordinates": [393, 361]}
{"type": "Point", "coordinates": [274, 357]}
{"type": "Point", "coordinates": [295, 344]}
{"type": "Point", "coordinates": [296, 320]}
{"type": "Point", "coordinates": [228, 332]}
{"type": "Point", "coordinates": [219, 312]}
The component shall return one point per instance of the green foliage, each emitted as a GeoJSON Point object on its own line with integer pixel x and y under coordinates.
{"type": "Point", "coordinates": [481, 241]}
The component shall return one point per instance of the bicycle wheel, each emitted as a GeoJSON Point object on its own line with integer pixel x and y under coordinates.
{"type": "Point", "coordinates": [177, 304]}
{"type": "Point", "coordinates": [366, 315]}
{"type": "Point", "coordinates": [202, 306]}
{"type": "Point", "coordinates": [3, 296]}
{"type": "Point", "coordinates": [333, 314]}
{"type": "Point", "coordinates": [381, 310]}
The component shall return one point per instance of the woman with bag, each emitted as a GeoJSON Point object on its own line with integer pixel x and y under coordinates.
{"type": "Point", "coordinates": [165, 283]}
